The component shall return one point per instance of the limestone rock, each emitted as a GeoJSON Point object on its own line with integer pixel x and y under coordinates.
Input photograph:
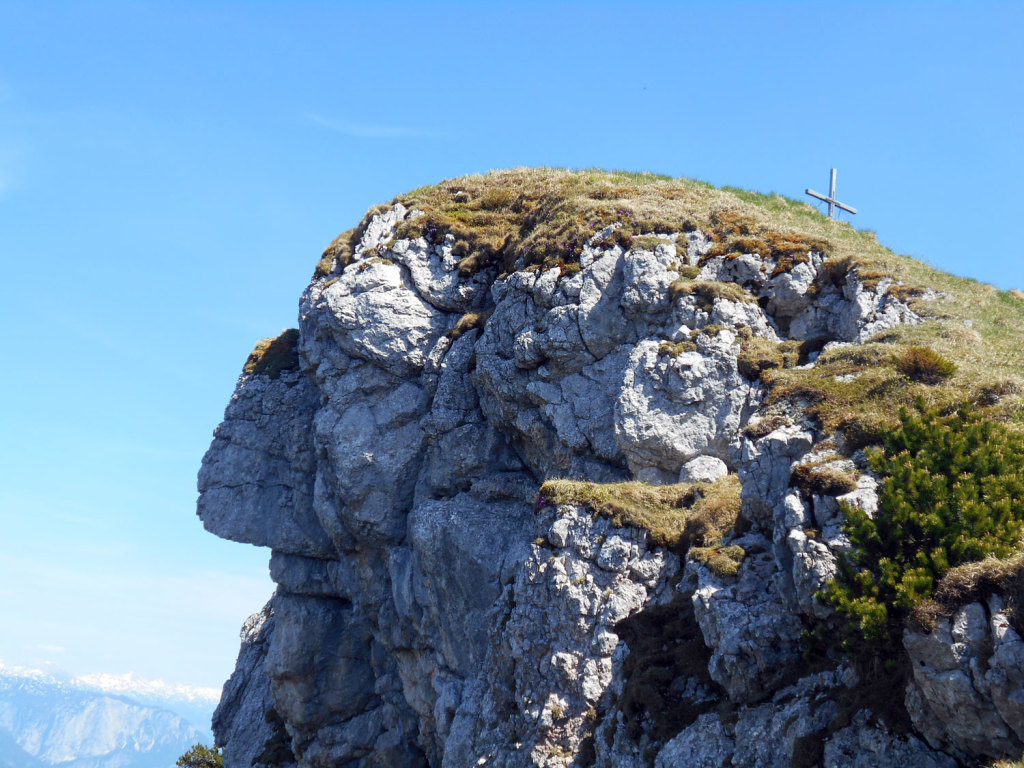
{"type": "Point", "coordinates": [432, 611]}
{"type": "Point", "coordinates": [245, 723]}
{"type": "Point", "coordinates": [753, 634]}
{"type": "Point", "coordinates": [967, 688]}
{"type": "Point", "coordinates": [256, 482]}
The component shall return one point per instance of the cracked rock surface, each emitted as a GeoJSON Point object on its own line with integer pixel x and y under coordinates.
{"type": "Point", "coordinates": [431, 611]}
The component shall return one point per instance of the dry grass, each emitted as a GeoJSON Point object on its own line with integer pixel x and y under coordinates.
{"type": "Point", "coordinates": [675, 348]}
{"type": "Point", "coordinates": [469, 321]}
{"type": "Point", "coordinates": [972, 582]}
{"type": "Point", "coordinates": [274, 355]}
{"type": "Point", "coordinates": [707, 291]}
{"type": "Point", "coordinates": [721, 561]}
{"type": "Point", "coordinates": [545, 215]}
{"type": "Point", "coordinates": [787, 249]}
{"type": "Point", "coordinates": [822, 480]}
{"type": "Point", "coordinates": [758, 354]}
{"type": "Point", "coordinates": [924, 365]}
{"type": "Point", "coordinates": [676, 516]}
{"type": "Point", "coordinates": [858, 390]}
{"type": "Point", "coordinates": [338, 254]}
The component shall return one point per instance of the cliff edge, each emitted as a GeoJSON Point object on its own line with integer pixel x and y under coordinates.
{"type": "Point", "coordinates": [556, 466]}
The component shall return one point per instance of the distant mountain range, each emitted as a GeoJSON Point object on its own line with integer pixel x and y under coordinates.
{"type": "Point", "coordinates": [98, 721]}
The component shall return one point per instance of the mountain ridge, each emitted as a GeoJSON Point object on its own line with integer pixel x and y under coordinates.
{"type": "Point", "coordinates": [49, 719]}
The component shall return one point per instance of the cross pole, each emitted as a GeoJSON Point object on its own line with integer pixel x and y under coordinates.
{"type": "Point", "coordinates": [831, 199]}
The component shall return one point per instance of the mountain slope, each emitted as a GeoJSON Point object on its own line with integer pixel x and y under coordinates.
{"type": "Point", "coordinates": [48, 721]}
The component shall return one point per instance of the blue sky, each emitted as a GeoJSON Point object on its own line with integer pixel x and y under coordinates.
{"type": "Point", "coordinates": [170, 173]}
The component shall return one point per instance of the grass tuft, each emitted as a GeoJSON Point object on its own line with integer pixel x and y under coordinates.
{"type": "Point", "coordinates": [707, 291]}
{"type": "Point", "coordinates": [974, 582]}
{"type": "Point", "coordinates": [924, 365]}
{"type": "Point", "coordinates": [339, 253]}
{"type": "Point", "coordinates": [469, 321]}
{"type": "Point", "coordinates": [822, 480]}
{"type": "Point", "coordinates": [675, 348]}
{"type": "Point", "coordinates": [724, 562]}
{"type": "Point", "coordinates": [273, 356]}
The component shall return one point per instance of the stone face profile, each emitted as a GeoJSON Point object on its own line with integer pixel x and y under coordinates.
{"type": "Point", "coordinates": [433, 608]}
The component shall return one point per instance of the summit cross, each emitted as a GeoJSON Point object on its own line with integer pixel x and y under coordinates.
{"type": "Point", "coordinates": [831, 199]}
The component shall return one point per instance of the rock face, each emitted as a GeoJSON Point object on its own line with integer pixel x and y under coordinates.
{"type": "Point", "coordinates": [432, 611]}
{"type": "Point", "coordinates": [968, 690]}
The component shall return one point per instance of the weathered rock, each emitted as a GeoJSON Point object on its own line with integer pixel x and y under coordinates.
{"type": "Point", "coordinates": [863, 745]}
{"type": "Point", "coordinates": [245, 723]}
{"type": "Point", "coordinates": [703, 469]}
{"type": "Point", "coordinates": [670, 409]}
{"type": "Point", "coordinates": [753, 634]}
{"type": "Point", "coordinates": [429, 612]}
{"type": "Point", "coordinates": [967, 688]}
{"type": "Point", "coordinates": [256, 482]}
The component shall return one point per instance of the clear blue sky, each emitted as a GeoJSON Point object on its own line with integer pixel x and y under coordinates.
{"type": "Point", "coordinates": [170, 172]}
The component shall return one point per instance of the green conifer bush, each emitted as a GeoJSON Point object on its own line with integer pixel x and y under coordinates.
{"type": "Point", "coordinates": [201, 756]}
{"type": "Point", "coordinates": [953, 493]}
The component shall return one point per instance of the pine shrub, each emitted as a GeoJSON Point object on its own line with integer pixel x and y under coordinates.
{"type": "Point", "coordinates": [953, 493]}
{"type": "Point", "coordinates": [201, 756]}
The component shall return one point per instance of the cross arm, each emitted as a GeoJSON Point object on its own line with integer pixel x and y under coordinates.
{"type": "Point", "coordinates": [826, 199]}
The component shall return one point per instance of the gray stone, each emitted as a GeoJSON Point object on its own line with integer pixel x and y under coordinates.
{"type": "Point", "coordinates": [966, 692]}
{"type": "Point", "coordinates": [703, 469]}
{"type": "Point", "coordinates": [429, 612]}
{"type": "Point", "coordinates": [245, 723]}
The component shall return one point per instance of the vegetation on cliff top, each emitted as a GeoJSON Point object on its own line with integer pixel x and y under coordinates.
{"type": "Point", "coordinates": [966, 354]}
{"type": "Point", "coordinates": [275, 355]}
{"type": "Point", "coordinates": [942, 401]}
{"type": "Point", "coordinates": [540, 218]}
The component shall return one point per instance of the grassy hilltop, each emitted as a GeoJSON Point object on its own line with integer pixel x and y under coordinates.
{"type": "Point", "coordinates": [970, 350]}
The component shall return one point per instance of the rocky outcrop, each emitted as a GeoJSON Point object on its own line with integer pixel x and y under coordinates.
{"type": "Point", "coordinates": [967, 694]}
{"type": "Point", "coordinates": [252, 733]}
{"type": "Point", "coordinates": [431, 610]}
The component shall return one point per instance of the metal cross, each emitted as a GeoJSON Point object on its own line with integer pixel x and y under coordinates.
{"type": "Point", "coordinates": [831, 199]}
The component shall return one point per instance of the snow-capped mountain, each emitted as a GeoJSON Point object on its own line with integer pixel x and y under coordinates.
{"type": "Point", "coordinates": [99, 721]}
{"type": "Point", "coordinates": [193, 703]}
